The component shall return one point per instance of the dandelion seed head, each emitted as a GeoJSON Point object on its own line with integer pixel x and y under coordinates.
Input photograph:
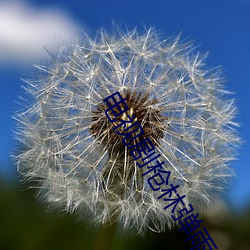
{"type": "Point", "coordinates": [80, 163]}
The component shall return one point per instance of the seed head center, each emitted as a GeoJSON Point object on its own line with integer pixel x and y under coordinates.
{"type": "Point", "coordinates": [141, 110]}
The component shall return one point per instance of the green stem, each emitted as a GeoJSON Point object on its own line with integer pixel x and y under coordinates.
{"type": "Point", "coordinates": [105, 236]}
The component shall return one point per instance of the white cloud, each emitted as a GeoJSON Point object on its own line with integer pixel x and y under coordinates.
{"type": "Point", "coordinates": [25, 31]}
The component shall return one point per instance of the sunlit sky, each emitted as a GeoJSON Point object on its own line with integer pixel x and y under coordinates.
{"type": "Point", "coordinates": [221, 27]}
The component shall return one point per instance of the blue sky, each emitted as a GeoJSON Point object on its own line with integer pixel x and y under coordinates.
{"type": "Point", "coordinates": [221, 27]}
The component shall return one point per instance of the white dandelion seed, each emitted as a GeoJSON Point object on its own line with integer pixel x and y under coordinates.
{"type": "Point", "coordinates": [80, 163]}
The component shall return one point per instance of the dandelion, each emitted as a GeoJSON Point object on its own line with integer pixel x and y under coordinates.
{"type": "Point", "coordinates": [77, 159]}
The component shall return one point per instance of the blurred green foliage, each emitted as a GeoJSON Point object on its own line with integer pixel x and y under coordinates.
{"type": "Point", "coordinates": [25, 225]}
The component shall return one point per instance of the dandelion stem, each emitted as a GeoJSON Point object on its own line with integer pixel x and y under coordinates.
{"type": "Point", "coordinates": [105, 236]}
